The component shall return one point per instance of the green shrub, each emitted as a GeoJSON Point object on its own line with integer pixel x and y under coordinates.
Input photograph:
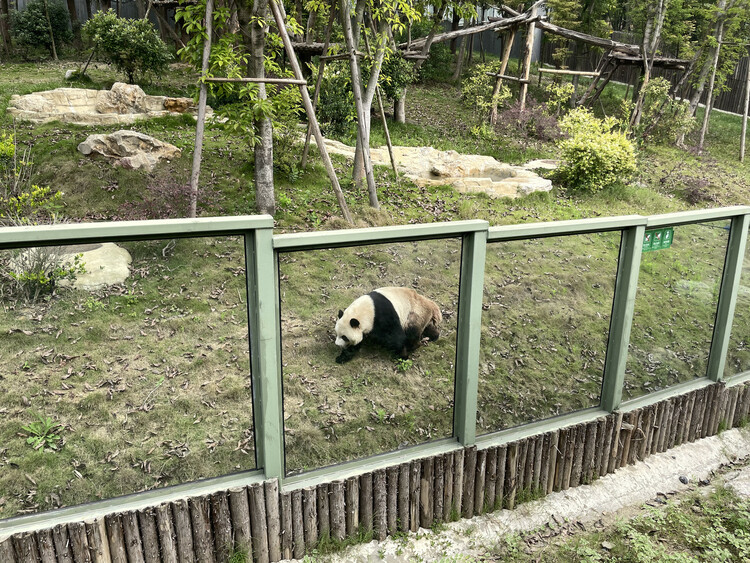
{"type": "Point", "coordinates": [30, 30]}
{"type": "Point", "coordinates": [396, 74]}
{"type": "Point", "coordinates": [675, 121]}
{"type": "Point", "coordinates": [336, 104]}
{"type": "Point", "coordinates": [595, 154]}
{"type": "Point", "coordinates": [478, 86]}
{"type": "Point", "coordinates": [437, 67]}
{"type": "Point", "coordinates": [132, 46]}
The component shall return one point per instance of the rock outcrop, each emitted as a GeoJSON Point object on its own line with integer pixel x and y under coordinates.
{"type": "Point", "coordinates": [426, 166]}
{"type": "Point", "coordinates": [123, 103]}
{"type": "Point", "coordinates": [130, 149]}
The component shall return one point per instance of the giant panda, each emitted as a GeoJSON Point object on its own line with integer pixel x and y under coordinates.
{"type": "Point", "coordinates": [396, 318]}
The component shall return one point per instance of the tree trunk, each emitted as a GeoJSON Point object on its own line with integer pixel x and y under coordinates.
{"type": "Point", "coordinates": [362, 100]}
{"type": "Point", "coordinates": [202, 96]}
{"type": "Point", "coordinates": [460, 60]}
{"type": "Point", "coordinates": [49, 27]}
{"type": "Point", "coordinates": [745, 113]}
{"type": "Point", "coordinates": [711, 84]}
{"type": "Point", "coordinates": [700, 84]}
{"type": "Point", "coordinates": [264, 193]}
{"type": "Point", "coordinates": [4, 26]}
{"type": "Point", "coordinates": [399, 108]}
{"type": "Point", "coordinates": [454, 27]}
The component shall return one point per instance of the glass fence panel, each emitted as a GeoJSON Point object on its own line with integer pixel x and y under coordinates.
{"type": "Point", "coordinates": [126, 387]}
{"type": "Point", "coordinates": [374, 402]}
{"type": "Point", "coordinates": [738, 352]}
{"type": "Point", "coordinates": [675, 308]}
{"type": "Point", "coordinates": [546, 311]}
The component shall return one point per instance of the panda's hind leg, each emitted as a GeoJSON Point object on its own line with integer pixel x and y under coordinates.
{"type": "Point", "coordinates": [431, 331]}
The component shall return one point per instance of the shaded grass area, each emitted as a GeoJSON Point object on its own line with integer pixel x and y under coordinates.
{"type": "Point", "coordinates": [547, 305]}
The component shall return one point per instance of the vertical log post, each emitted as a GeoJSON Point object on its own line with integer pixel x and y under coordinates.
{"type": "Point", "coordinates": [239, 508]}
{"type": "Point", "coordinates": [392, 499]}
{"type": "Point", "coordinates": [271, 490]}
{"type": "Point", "coordinates": [531, 28]}
{"type": "Point", "coordinates": [310, 517]}
{"type": "Point", "coordinates": [298, 528]}
{"type": "Point", "coordinates": [276, 8]}
{"type": "Point", "coordinates": [222, 523]}
{"type": "Point", "coordinates": [62, 545]}
{"type": "Point", "coordinates": [287, 528]}
{"type": "Point", "coordinates": [381, 505]}
{"type": "Point", "coordinates": [352, 506]}
{"type": "Point", "coordinates": [403, 497]}
{"type": "Point", "coordinates": [337, 510]}
{"type": "Point", "coordinates": [365, 502]}
{"type": "Point", "coordinates": [167, 538]}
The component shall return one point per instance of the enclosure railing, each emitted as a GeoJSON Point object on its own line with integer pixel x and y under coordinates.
{"type": "Point", "coordinates": [262, 249]}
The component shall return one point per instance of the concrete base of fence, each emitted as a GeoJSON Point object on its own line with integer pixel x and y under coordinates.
{"type": "Point", "coordinates": [464, 483]}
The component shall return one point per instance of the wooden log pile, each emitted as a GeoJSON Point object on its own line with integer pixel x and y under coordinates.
{"type": "Point", "coordinates": [269, 524]}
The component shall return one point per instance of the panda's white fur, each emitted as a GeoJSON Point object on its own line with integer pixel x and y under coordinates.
{"type": "Point", "coordinates": [395, 317]}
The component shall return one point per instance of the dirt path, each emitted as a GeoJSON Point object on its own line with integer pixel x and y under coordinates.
{"type": "Point", "coordinates": [617, 495]}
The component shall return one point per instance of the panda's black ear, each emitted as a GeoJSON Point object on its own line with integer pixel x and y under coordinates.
{"type": "Point", "coordinates": [341, 313]}
{"type": "Point", "coordinates": [354, 323]}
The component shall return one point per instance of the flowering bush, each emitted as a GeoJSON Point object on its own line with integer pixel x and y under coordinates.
{"type": "Point", "coordinates": [595, 154]}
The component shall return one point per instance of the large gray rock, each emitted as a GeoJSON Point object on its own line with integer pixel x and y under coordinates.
{"type": "Point", "coordinates": [130, 149]}
{"type": "Point", "coordinates": [473, 173]}
{"type": "Point", "coordinates": [123, 103]}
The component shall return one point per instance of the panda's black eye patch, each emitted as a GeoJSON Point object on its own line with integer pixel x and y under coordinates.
{"type": "Point", "coordinates": [354, 323]}
{"type": "Point", "coordinates": [345, 339]}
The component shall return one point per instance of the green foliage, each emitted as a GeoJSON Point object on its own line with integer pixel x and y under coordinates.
{"type": "Point", "coordinates": [595, 154]}
{"type": "Point", "coordinates": [336, 103]}
{"type": "Point", "coordinates": [403, 364]}
{"type": "Point", "coordinates": [132, 46]}
{"type": "Point", "coordinates": [30, 29]}
{"type": "Point", "coordinates": [559, 95]}
{"type": "Point", "coordinates": [477, 89]}
{"type": "Point", "coordinates": [395, 75]}
{"type": "Point", "coordinates": [676, 120]}
{"type": "Point", "coordinates": [43, 433]}
{"type": "Point", "coordinates": [437, 67]}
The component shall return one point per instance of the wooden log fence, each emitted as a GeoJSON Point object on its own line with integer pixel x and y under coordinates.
{"type": "Point", "coordinates": [269, 524]}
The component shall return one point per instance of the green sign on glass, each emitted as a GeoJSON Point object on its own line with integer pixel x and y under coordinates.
{"type": "Point", "coordinates": [657, 239]}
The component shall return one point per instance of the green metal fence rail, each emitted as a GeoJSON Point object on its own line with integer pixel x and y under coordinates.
{"type": "Point", "coordinates": [262, 249]}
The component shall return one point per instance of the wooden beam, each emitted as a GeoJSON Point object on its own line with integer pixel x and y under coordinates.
{"type": "Point", "coordinates": [499, 25]}
{"type": "Point", "coordinates": [571, 72]}
{"type": "Point", "coordinates": [266, 80]}
{"type": "Point", "coordinates": [506, 77]}
{"type": "Point", "coordinates": [341, 56]}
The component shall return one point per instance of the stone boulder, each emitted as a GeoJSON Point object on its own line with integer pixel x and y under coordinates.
{"type": "Point", "coordinates": [123, 103]}
{"type": "Point", "coordinates": [427, 166]}
{"type": "Point", "coordinates": [130, 149]}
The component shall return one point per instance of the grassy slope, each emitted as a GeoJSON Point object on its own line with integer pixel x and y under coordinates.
{"type": "Point", "coordinates": [547, 306]}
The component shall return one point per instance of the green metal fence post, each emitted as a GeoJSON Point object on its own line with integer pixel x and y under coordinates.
{"type": "Point", "coordinates": [621, 322]}
{"type": "Point", "coordinates": [471, 287]}
{"type": "Point", "coordinates": [730, 283]}
{"type": "Point", "coordinates": [265, 351]}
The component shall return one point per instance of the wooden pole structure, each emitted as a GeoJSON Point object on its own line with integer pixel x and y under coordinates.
{"type": "Point", "coordinates": [503, 66]}
{"type": "Point", "coordinates": [710, 98]}
{"type": "Point", "coordinates": [527, 56]}
{"type": "Point", "coordinates": [745, 113]}
{"type": "Point", "coordinates": [383, 119]}
{"type": "Point", "coordinates": [200, 127]}
{"type": "Point", "coordinates": [318, 83]}
{"type": "Point", "coordinates": [279, 17]}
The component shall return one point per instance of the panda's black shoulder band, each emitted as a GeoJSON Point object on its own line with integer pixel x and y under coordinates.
{"type": "Point", "coordinates": [386, 319]}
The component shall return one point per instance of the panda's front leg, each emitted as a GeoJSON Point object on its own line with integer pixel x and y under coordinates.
{"type": "Point", "coordinates": [346, 354]}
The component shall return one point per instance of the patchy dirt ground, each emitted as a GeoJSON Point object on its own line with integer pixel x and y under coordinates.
{"type": "Point", "coordinates": [620, 495]}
